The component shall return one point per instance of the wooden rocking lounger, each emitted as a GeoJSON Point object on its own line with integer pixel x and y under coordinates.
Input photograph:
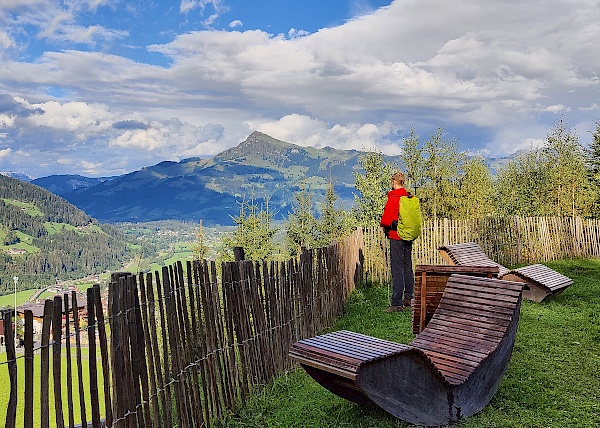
{"type": "Point", "coordinates": [430, 283]}
{"type": "Point", "coordinates": [448, 372]}
{"type": "Point", "coordinates": [541, 280]}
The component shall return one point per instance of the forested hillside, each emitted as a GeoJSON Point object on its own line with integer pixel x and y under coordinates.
{"type": "Point", "coordinates": [44, 238]}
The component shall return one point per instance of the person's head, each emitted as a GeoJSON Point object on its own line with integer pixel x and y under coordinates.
{"type": "Point", "coordinates": [398, 180]}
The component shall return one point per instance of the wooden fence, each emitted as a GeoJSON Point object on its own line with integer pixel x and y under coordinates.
{"type": "Point", "coordinates": [510, 241]}
{"type": "Point", "coordinates": [180, 347]}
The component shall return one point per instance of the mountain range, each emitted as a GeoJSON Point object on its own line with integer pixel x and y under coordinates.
{"type": "Point", "coordinates": [261, 169]}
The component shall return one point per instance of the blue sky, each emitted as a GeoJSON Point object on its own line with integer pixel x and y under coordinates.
{"type": "Point", "coordinates": [105, 87]}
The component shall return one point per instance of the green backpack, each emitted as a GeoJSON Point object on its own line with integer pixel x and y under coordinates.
{"type": "Point", "coordinates": [409, 219]}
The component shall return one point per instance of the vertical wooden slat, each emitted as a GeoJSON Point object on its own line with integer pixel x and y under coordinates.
{"type": "Point", "coordinates": [69, 365]}
{"type": "Point", "coordinates": [99, 312]}
{"type": "Point", "coordinates": [11, 357]}
{"type": "Point", "coordinates": [200, 335]}
{"type": "Point", "coordinates": [29, 389]}
{"type": "Point", "coordinates": [166, 381]}
{"type": "Point", "coordinates": [134, 364]}
{"type": "Point", "coordinates": [116, 348]}
{"type": "Point", "coordinates": [82, 408]}
{"type": "Point", "coordinates": [185, 334]}
{"type": "Point", "coordinates": [56, 360]}
{"type": "Point", "coordinates": [45, 366]}
{"type": "Point", "coordinates": [147, 307]}
{"type": "Point", "coordinates": [171, 320]}
{"type": "Point", "coordinates": [93, 369]}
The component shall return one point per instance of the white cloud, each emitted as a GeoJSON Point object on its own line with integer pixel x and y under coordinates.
{"type": "Point", "coordinates": [500, 71]}
{"type": "Point", "coordinates": [5, 152]}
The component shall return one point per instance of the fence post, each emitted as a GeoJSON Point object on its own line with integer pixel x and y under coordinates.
{"type": "Point", "coordinates": [239, 254]}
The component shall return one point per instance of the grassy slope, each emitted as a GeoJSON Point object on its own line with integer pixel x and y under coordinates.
{"type": "Point", "coordinates": [552, 379]}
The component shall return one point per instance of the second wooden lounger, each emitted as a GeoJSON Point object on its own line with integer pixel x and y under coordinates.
{"type": "Point", "coordinates": [541, 280]}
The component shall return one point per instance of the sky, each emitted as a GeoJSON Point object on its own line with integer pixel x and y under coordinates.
{"type": "Point", "coordinates": [106, 87]}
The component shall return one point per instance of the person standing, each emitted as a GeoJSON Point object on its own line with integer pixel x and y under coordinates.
{"type": "Point", "coordinates": [403, 279]}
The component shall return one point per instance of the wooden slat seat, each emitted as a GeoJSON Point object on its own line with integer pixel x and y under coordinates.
{"type": "Point", "coordinates": [541, 280]}
{"type": "Point", "coordinates": [448, 372]}
{"type": "Point", "coordinates": [430, 282]}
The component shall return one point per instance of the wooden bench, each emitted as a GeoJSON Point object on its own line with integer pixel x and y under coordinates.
{"type": "Point", "coordinates": [448, 372]}
{"type": "Point", "coordinates": [540, 280]}
{"type": "Point", "coordinates": [430, 283]}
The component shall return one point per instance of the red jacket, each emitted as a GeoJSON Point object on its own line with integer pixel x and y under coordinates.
{"type": "Point", "coordinates": [391, 211]}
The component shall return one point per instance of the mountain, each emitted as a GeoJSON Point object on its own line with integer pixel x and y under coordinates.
{"type": "Point", "coordinates": [43, 238]}
{"type": "Point", "coordinates": [63, 184]}
{"type": "Point", "coordinates": [211, 189]}
{"type": "Point", "coordinates": [17, 175]}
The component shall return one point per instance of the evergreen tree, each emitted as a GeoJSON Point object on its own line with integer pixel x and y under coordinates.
{"type": "Point", "coordinates": [593, 165]}
{"type": "Point", "coordinates": [442, 163]}
{"type": "Point", "coordinates": [414, 163]}
{"type": "Point", "coordinates": [301, 223]}
{"type": "Point", "coordinates": [254, 233]}
{"type": "Point", "coordinates": [333, 224]}
{"type": "Point", "coordinates": [373, 186]}
{"type": "Point", "coordinates": [522, 186]}
{"type": "Point", "coordinates": [200, 248]}
{"type": "Point", "coordinates": [567, 173]}
{"type": "Point", "coordinates": [476, 189]}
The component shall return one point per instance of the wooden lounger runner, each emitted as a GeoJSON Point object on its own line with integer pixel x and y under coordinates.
{"type": "Point", "coordinates": [448, 372]}
{"type": "Point", "coordinates": [541, 280]}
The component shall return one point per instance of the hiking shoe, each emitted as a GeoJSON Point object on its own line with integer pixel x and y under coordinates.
{"type": "Point", "coordinates": [407, 303]}
{"type": "Point", "coordinates": [394, 309]}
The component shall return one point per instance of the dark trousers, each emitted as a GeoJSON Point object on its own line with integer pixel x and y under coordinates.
{"type": "Point", "coordinates": [403, 277]}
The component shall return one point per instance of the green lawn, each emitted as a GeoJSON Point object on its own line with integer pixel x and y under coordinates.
{"type": "Point", "coordinates": [8, 300]}
{"type": "Point", "coordinates": [552, 381]}
{"type": "Point", "coordinates": [5, 388]}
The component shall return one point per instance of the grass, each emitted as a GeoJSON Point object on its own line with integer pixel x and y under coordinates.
{"type": "Point", "coordinates": [5, 388]}
{"type": "Point", "coordinates": [8, 300]}
{"type": "Point", "coordinates": [552, 380]}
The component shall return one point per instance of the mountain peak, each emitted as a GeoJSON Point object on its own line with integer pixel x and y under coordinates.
{"type": "Point", "coordinates": [257, 145]}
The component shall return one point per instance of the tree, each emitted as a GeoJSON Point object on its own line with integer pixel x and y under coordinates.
{"type": "Point", "coordinates": [200, 248]}
{"type": "Point", "coordinates": [442, 165]}
{"type": "Point", "coordinates": [476, 189]}
{"type": "Point", "coordinates": [373, 186]}
{"type": "Point", "coordinates": [254, 233]}
{"type": "Point", "coordinates": [301, 223]}
{"type": "Point", "coordinates": [332, 223]}
{"type": "Point", "coordinates": [567, 172]}
{"type": "Point", "coordinates": [593, 165]}
{"type": "Point", "coordinates": [522, 186]}
{"type": "Point", "coordinates": [414, 163]}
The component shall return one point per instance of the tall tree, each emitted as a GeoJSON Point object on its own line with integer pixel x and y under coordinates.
{"type": "Point", "coordinates": [443, 163]}
{"type": "Point", "coordinates": [255, 232]}
{"type": "Point", "coordinates": [333, 223]}
{"type": "Point", "coordinates": [593, 163]}
{"type": "Point", "coordinates": [301, 223]}
{"type": "Point", "coordinates": [522, 186]}
{"type": "Point", "coordinates": [200, 248]}
{"type": "Point", "coordinates": [373, 185]}
{"type": "Point", "coordinates": [476, 189]}
{"type": "Point", "coordinates": [414, 163]}
{"type": "Point", "coordinates": [567, 171]}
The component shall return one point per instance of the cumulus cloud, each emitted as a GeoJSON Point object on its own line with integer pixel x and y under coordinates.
{"type": "Point", "coordinates": [5, 152]}
{"type": "Point", "coordinates": [502, 71]}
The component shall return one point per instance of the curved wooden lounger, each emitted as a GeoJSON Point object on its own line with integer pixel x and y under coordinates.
{"type": "Point", "coordinates": [449, 372]}
{"type": "Point", "coordinates": [541, 280]}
